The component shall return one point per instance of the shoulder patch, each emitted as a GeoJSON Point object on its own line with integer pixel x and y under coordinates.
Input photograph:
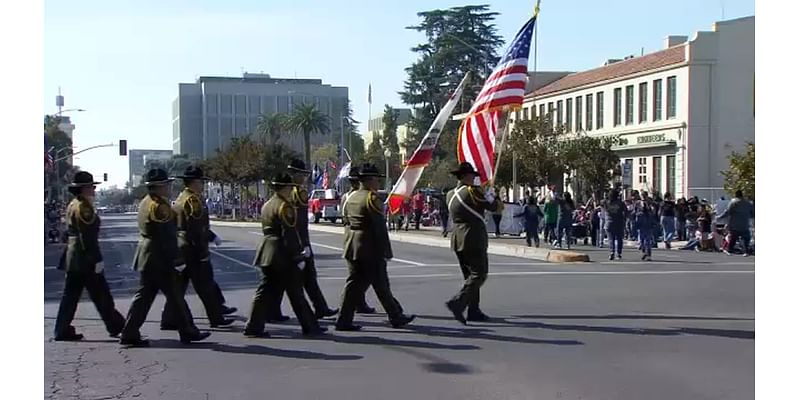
{"type": "Point", "coordinates": [160, 212]}
{"type": "Point", "coordinates": [374, 203]}
{"type": "Point", "coordinates": [85, 213]}
{"type": "Point", "coordinates": [193, 207]}
{"type": "Point", "coordinates": [288, 214]}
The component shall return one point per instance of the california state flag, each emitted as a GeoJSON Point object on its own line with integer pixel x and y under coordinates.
{"type": "Point", "coordinates": [423, 154]}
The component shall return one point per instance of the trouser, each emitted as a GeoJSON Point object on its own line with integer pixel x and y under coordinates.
{"type": "Point", "coordinates": [202, 278]}
{"type": "Point", "coordinates": [275, 280]}
{"type": "Point", "coordinates": [550, 231]}
{"type": "Point", "coordinates": [681, 228]}
{"type": "Point", "coordinates": [362, 274]}
{"type": "Point", "coordinates": [601, 233]}
{"type": "Point", "coordinates": [745, 236]}
{"type": "Point", "coordinates": [593, 233]}
{"type": "Point", "coordinates": [151, 282]}
{"type": "Point", "coordinates": [308, 280]}
{"type": "Point", "coordinates": [564, 229]}
{"type": "Point", "coordinates": [417, 218]}
{"type": "Point", "coordinates": [497, 218]}
{"type": "Point", "coordinates": [100, 295]}
{"type": "Point", "coordinates": [646, 242]}
{"type": "Point", "coordinates": [475, 268]}
{"type": "Point", "coordinates": [615, 239]}
{"type": "Point", "coordinates": [532, 232]}
{"type": "Point", "coordinates": [668, 224]}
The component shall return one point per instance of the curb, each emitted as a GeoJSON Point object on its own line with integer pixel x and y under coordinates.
{"type": "Point", "coordinates": [556, 256]}
{"type": "Point", "coordinates": [234, 224]}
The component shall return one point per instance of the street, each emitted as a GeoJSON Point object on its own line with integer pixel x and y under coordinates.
{"type": "Point", "coordinates": [679, 327]}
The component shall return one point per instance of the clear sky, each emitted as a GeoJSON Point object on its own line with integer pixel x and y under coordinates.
{"type": "Point", "coordinates": [122, 61]}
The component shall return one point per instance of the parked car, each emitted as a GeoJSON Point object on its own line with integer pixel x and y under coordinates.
{"type": "Point", "coordinates": [324, 204]}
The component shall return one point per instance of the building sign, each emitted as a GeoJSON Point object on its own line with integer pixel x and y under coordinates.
{"type": "Point", "coordinates": [659, 137]}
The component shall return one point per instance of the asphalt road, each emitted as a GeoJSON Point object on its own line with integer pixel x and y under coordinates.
{"type": "Point", "coordinates": [680, 327]}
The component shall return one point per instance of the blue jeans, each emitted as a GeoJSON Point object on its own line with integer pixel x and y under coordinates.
{"type": "Point", "coordinates": [668, 224]}
{"type": "Point", "coordinates": [615, 238]}
{"type": "Point", "coordinates": [646, 242]}
{"type": "Point", "coordinates": [564, 229]}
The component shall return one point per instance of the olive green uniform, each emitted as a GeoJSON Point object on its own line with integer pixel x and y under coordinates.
{"type": "Point", "coordinates": [155, 259]}
{"type": "Point", "coordinates": [194, 235]}
{"type": "Point", "coordinates": [470, 241]}
{"type": "Point", "coordinates": [299, 200]}
{"type": "Point", "coordinates": [366, 250]}
{"type": "Point", "coordinates": [79, 260]}
{"type": "Point", "coordinates": [277, 256]}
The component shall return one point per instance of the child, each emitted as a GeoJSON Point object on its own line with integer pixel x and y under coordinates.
{"type": "Point", "coordinates": [532, 215]}
{"type": "Point", "coordinates": [644, 224]}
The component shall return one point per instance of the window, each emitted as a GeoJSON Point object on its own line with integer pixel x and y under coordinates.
{"type": "Point", "coordinates": [525, 114]}
{"type": "Point", "coordinates": [643, 170]}
{"type": "Point", "coordinates": [599, 113]}
{"type": "Point", "coordinates": [617, 106]}
{"type": "Point", "coordinates": [578, 114]}
{"type": "Point", "coordinates": [541, 110]}
{"type": "Point", "coordinates": [559, 113]}
{"type": "Point", "coordinates": [656, 174]}
{"type": "Point", "coordinates": [671, 175]}
{"type": "Point", "coordinates": [671, 93]}
{"type": "Point", "coordinates": [569, 115]}
{"type": "Point", "coordinates": [226, 102]}
{"type": "Point", "coordinates": [628, 104]}
{"type": "Point", "coordinates": [589, 112]}
{"type": "Point", "coordinates": [550, 111]}
{"type": "Point", "coordinates": [657, 100]}
{"type": "Point", "coordinates": [643, 102]}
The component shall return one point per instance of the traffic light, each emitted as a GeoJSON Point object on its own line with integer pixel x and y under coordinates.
{"type": "Point", "coordinates": [105, 177]}
{"type": "Point", "coordinates": [123, 147]}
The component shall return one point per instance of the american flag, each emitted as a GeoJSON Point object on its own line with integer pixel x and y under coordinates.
{"type": "Point", "coordinates": [504, 89]}
{"type": "Point", "coordinates": [325, 179]}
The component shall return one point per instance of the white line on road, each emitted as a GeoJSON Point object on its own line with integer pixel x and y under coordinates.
{"type": "Point", "coordinates": [400, 260]}
{"type": "Point", "coordinates": [229, 258]}
{"type": "Point", "coordinates": [555, 273]}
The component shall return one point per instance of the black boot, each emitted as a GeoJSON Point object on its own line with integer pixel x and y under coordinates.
{"type": "Point", "coordinates": [327, 313]}
{"type": "Point", "coordinates": [476, 315]}
{"type": "Point", "coordinates": [187, 338]}
{"type": "Point", "coordinates": [458, 314]}
{"type": "Point", "coordinates": [402, 320]}
{"type": "Point", "coordinates": [365, 309]}
{"type": "Point", "coordinates": [135, 342]}
{"type": "Point", "coordinates": [224, 322]}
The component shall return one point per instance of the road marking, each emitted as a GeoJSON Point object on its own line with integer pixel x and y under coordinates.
{"type": "Point", "coordinates": [400, 260]}
{"type": "Point", "coordinates": [255, 233]}
{"type": "Point", "coordinates": [46, 267]}
{"type": "Point", "coordinates": [229, 258]}
{"type": "Point", "coordinates": [553, 273]}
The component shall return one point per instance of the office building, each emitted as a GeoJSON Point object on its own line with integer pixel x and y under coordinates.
{"type": "Point", "coordinates": [211, 111]}
{"type": "Point", "coordinates": [138, 160]}
{"type": "Point", "coordinates": [375, 127]}
{"type": "Point", "coordinates": [678, 112]}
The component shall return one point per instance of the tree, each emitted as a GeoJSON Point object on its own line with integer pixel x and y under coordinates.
{"type": "Point", "coordinates": [374, 153]}
{"type": "Point", "coordinates": [306, 119]}
{"type": "Point", "coordinates": [437, 175]}
{"type": "Point", "coordinates": [270, 127]}
{"type": "Point", "coordinates": [741, 174]}
{"type": "Point", "coordinates": [321, 155]}
{"type": "Point", "coordinates": [61, 144]}
{"type": "Point", "coordinates": [592, 162]}
{"type": "Point", "coordinates": [354, 141]}
{"type": "Point", "coordinates": [459, 39]}
{"type": "Point", "coordinates": [389, 140]}
{"type": "Point", "coordinates": [537, 146]}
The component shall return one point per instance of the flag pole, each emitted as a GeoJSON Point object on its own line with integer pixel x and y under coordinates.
{"type": "Point", "coordinates": [508, 116]}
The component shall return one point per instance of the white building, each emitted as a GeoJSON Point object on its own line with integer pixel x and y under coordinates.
{"type": "Point", "coordinates": [375, 127]}
{"type": "Point", "coordinates": [679, 111]}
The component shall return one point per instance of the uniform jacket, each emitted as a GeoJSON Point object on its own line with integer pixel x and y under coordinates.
{"type": "Point", "coordinates": [281, 244]}
{"type": "Point", "coordinates": [342, 203]}
{"type": "Point", "coordinates": [158, 235]}
{"type": "Point", "coordinates": [367, 238]}
{"type": "Point", "coordinates": [469, 230]}
{"type": "Point", "coordinates": [300, 202]}
{"type": "Point", "coordinates": [83, 228]}
{"type": "Point", "coordinates": [194, 233]}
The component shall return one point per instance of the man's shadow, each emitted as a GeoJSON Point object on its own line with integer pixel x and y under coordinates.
{"type": "Point", "coordinates": [253, 349]}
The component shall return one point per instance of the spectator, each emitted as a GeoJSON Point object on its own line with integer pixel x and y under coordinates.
{"type": "Point", "coordinates": [645, 221]}
{"type": "Point", "coordinates": [719, 210]}
{"type": "Point", "coordinates": [550, 218]}
{"type": "Point", "coordinates": [668, 220]}
{"type": "Point", "coordinates": [704, 229]}
{"type": "Point", "coordinates": [600, 211]}
{"type": "Point", "coordinates": [566, 211]}
{"type": "Point", "coordinates": [615, 211]}
{"type": "Point", "coordinates": [419, 205]}
{"type": "Point", "coordinates": [532, 215]}
{"type": "Point", "coordinates": [444, 211]}
{"type": "Point", "coordinates": [497, 217]}
{"type": "Point", "coordinates": [739, 213]}
{"type": "Point", "coordinates": [680, 216]}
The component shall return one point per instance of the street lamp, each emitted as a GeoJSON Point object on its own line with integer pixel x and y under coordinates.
{"type": "Point", "coordinates": [69, 110]}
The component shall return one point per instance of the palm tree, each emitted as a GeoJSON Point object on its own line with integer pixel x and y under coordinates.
{"type": "Point", "coordinates": [270, 127]}
{"type": "Point", "coordinates": [306, 119]}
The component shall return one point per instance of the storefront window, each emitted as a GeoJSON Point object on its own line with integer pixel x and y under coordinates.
{"type": "Point", "coordinates": [656, 174]}
{"type": "Point", "coordinates": [671, 175]}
